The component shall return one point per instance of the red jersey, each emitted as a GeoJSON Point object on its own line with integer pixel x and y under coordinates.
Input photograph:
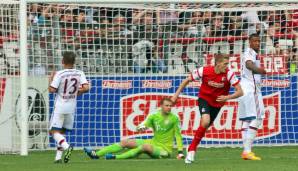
{"type": "Point", "coordinates": [214, 85]}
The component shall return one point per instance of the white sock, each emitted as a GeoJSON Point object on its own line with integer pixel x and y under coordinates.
{"type": "Point", "coordinates": [59, 152]}
{"type": "Point", "coordinates": [61, 140]}
{"type": "Point", "coordinates": [251, 134]}
{"type": "Point", "coordinates": [244, 139]}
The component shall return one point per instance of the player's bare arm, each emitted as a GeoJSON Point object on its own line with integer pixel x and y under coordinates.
{"type": "Point", "coordinates": [184, 83]}
{"type": "Point", "coordinates": [52, 89]}
{"type": "Point", "coordinates": [84, 88]}
{"type": "Point", "coordinates": [238, 93]}
{"type": "Point", "coordinates": [256, 70]}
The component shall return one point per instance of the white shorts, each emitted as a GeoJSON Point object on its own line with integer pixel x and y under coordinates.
{"type": "Point", "coordinates": [62, 121]}
{"type": "Point", "coordinates": [251, 106]}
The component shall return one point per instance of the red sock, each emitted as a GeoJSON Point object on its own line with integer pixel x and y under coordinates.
{"type": "Point", "coordinates": [200, 133]}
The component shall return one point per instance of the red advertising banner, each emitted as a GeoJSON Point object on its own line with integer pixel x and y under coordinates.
{"type": "Point", "coordinates": [227, 127]}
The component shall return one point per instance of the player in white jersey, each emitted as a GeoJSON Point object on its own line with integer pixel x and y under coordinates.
{"type": "Point", "coordinates": [251, 107]}
{"type": "Point", "coordinates": [67, 84]}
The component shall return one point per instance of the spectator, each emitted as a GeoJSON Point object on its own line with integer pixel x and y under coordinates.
{"type": "Point", "coordinates": [218, 29]}
{"type": "Point", "coordinates": [237, 27]}
{"type": "Point", "coordinates": [252, 19]}
{"type": "Point", "coordinates": [46, 14]}
{"type": "Point", "coordinates": [292, 25]}
{"type": "Point", "coordinates": [167, 21]}
{"type": "Point", "coordinates": [120, 26]}
{"type": "Point", "coordinates": [67, 30]}
{"type": "Point", "coordinates": [144, 47]}
{"type": "Point", "coordinates": [34, 13]}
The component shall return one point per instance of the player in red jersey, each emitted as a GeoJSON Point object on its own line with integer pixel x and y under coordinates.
{"type": "Point", "coordinates": [214, 92]}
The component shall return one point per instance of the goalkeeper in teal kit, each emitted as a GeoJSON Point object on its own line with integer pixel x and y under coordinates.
{"type": "Point", "coordinates": [165, 125]}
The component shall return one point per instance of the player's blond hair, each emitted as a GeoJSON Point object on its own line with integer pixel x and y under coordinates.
{"type": "Point", "coordinates": [220, 57]}
{"type": "Point", "coordinates": [165, 99]}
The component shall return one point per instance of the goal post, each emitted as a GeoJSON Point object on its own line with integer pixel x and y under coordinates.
{"type": "Point", "coordinates": [24, 77]}
{"type": "Point", "coordinates": [134, 52]}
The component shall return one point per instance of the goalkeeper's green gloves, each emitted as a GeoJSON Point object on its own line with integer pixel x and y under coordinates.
{"type": "Point", "coordinates": [141, 128]}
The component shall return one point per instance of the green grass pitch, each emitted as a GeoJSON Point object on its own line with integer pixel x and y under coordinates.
{"type": "Point", "coordinates": [207, 159]}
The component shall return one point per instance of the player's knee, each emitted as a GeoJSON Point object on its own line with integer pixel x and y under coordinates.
{"type": "Point", "coordinates": [52, 132]}
{"type": "Point", "coordinates": [205, 123]}
{"type": "Point", "coordinates": [124, 143]}
{"type": "Point", "coordinates": [256, 123]}
{"type": "Point", "coordinates": [245, 125]}
{"type": "Point", "coordinates": [147, 148]}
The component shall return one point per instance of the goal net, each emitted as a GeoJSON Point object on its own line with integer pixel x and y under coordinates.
{"type": "Point", "coordinates": [135, 54]}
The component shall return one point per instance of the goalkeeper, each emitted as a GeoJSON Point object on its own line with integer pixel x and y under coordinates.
{"type": "Point", "coordinates": [165, 125]}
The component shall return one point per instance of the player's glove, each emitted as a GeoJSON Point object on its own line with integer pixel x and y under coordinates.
{"type": "Point", "coordinates": [180, 155]}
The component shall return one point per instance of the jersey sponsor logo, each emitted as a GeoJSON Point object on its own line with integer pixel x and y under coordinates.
{"type": "Point", "coordinates": [161, 84]}
{"type": "Point", "coordinates": [226, 127]}
{"type": "Point", "coordinates": [276, 83]}
{"type": "Point", "coordinates": [216, 84]}
{"type": "Point", "coordinates": [273, 64]}
{"type": "Point", "coordinates": [117, 84]}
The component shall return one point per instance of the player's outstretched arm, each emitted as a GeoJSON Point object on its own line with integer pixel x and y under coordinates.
{"type": "Point", "coordinates": [147, 123]}
{"type": "Point", "coordinates": [256, 70]}
{"type": "Point", "coordinates": [181, 87]}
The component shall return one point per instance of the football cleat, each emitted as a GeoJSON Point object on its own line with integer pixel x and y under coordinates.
{"type": "Point", "coordinates": [249, 156]}
{"type": "Point", "coordinates": [110, 156]}
{"type": "Point", "coordinates": [91, 153]}
{"type": "Point", "coordinates": [67, 154]}
{"type": "Point", "coordinates": [58, 161]}
{"type": "Point", "coordinates": [190, 157]}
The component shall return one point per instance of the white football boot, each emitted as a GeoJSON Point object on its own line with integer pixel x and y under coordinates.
{"type": "Point", "coordinates": [190, 157]}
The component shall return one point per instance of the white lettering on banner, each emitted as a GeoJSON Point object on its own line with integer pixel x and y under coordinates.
{"type": "Point", "coordinates": [276, 83]}
{"type": "Point", "coordinates": [228, 124]}
{"type": "Point", "coordinates": [274, 64]}
{"type": "Point", "coordinates": [117, 84]}
{"type": "Point", "coordinates": [136, 112]}
{"type": "Point", "coordinates": [271, 118]}
{"type": "Point", "coordinates": [162, 84]}
{"type": "Point", "coordinates": [187, 112]}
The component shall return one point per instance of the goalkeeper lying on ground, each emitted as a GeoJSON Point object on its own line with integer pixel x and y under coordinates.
{"type": "Point", "coordinates": [165, 125]}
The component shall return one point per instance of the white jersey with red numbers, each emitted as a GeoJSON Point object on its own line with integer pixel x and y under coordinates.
{"type": "Point", "coordinates": [67, 82]}
{"type": "Point", "coordinates": [213, 84]}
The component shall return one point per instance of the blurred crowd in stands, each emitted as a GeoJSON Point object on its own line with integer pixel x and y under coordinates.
{"type": "Point", "coordinates": [155, 39]}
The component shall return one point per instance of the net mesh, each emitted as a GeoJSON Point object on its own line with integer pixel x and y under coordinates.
{"type": "Point", "coordinates": [135, 54]}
